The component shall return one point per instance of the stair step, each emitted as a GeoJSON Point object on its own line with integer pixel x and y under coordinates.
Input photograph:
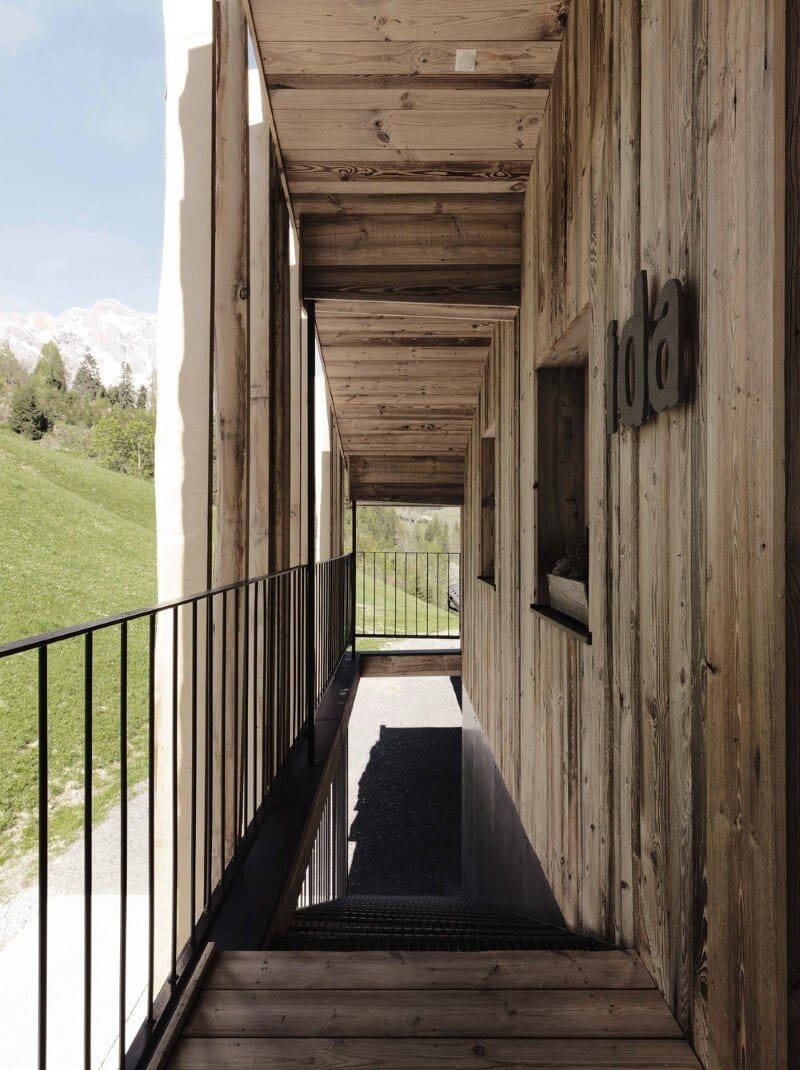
{"type": "Point", "coordinates": [378, 970]}
{"type": "Point", "coordinates": [436, 1012]}
{"type": "Point", "coordinates": [404, 1054]}
{"type": "Point", "coordinates": [423, 923]}
{"type": "Point", "coordinates": [380, 1011]}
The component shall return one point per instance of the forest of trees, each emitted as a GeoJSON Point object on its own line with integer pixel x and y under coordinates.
{"type": "Point", "coordinates": [116, 425]}
{"type": "Point", "coordinates": [386, 527]}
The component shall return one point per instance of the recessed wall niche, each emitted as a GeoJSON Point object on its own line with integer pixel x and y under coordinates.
{"type": "Point", "coordinates": [562, 520]}
{"type": "Point", "coordinates": [488, 485]}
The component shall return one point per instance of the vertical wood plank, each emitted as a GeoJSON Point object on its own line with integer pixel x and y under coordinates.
{"type": "Point", "coordinates": [745, 655]}
{"type": "Point", "coordinates": [792, 380]}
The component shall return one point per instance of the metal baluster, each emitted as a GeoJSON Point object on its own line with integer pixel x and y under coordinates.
{"type": "Point", "coordinates": [193, 822]}
{"type": "Point", "coordinates": [88, 749]}
{"type": "Point", "coordinates": [43, 836]}
{"type": "Point", "coordinates": [151, 821]}
{"type": "Point", "coordinates": [123, 837]}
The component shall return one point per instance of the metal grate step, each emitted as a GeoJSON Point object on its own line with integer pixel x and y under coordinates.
{"type": "Point", "coordinates": [424, 923]}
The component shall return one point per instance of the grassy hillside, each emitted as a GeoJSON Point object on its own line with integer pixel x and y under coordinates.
{"type": "Point", "coordinates": [78, 543]}
{"type": "Point", "coordinates": [383, 607]}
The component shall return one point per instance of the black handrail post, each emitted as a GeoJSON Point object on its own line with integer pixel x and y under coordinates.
{"type": "Point", "coordinates": [311, 509]}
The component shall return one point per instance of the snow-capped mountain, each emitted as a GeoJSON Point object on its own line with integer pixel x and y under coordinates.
{"type": "Point", "coordinates": [109, 330]}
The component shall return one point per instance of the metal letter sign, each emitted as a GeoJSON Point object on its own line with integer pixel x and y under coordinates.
{"type": "Point", "coordinates": [646, 363]}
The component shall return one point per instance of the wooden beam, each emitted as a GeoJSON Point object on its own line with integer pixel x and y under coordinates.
{"type": "Point", "coordinates": [410, 494]}
{"type": "Point", "coordinates": [378, 469]}
{"type": "Point", "coordinates": [480, 286]}
{"type": "Point", "coordinates": [406, 20]}
{"type": "Point", "coordinates": [324, 65]}
{"type": "Point", "coordinates": [422, 204]}
{"type": "Point", "coordinates": [344, 360]}
{"type": "Point", "coordinates": [404, 240]}
{"type": "Point", "coordinates": [411, 663]}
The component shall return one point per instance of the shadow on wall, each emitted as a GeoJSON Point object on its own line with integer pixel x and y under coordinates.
{"type": "Point", "coordinates": [407, 828]}
{"type": "Point", "coordinates": [499, 866]}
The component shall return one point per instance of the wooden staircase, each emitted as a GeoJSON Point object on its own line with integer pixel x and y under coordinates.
{"type": "Point", "coordinates": [428, 1011]}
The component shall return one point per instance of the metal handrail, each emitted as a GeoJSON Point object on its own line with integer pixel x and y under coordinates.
{"type": "Point", "coordinates": [232, 663]}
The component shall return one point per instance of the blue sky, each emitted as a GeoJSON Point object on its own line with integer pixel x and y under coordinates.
{"type": "Point", "coordinates": [81, 153]}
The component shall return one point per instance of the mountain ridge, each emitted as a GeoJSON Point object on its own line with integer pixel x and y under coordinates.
{"type": "Point", "coordinates": [111, 331]}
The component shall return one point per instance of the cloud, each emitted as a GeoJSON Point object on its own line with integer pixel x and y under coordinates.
{"type": "Point", "coordinates": [17, 27]}
{"type": "Point", "coordinates": [55, 266]}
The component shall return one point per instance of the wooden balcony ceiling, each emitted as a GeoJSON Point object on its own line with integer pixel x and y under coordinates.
{"type": "Point", "coordinates": [404, 384]}
{"type": "Point", "coordinates": [407, 130]}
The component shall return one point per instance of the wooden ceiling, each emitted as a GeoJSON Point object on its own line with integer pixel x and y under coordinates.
{"type": "Point", "coordinates": [406, 130]}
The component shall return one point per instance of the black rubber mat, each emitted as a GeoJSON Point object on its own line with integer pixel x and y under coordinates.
{"type": "Point", "coordinates": [424, 923]}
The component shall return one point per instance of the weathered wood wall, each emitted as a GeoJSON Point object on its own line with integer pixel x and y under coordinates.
{"type": "Point", "coordinates": [649, 766]}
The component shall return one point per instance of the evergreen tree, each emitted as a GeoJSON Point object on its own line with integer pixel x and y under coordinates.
{"type": "Point", "coordinates": [123, 394]}
{"type": "Point", "coordinates": [50, 370]}
{"type": "Point", "coordinates": [142, 398]}
{"type": "Point", "coordinates": [87, 378]}
{"type": "Point", "coordinates": [27, 415]}
{"type": "Point", "coordinates": [11, 371]}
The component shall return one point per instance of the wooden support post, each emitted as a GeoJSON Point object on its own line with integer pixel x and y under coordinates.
{"type": "Point", "coordinates": [259, 175]}
{"type": "Point", "coordinates": [259, 433]}
{"type": "Point", "coordinates": [311, 355]}
{"type": "Point", "coordinates": [182, 486]}
{"type": "Point", "coordinates": [231, 392]}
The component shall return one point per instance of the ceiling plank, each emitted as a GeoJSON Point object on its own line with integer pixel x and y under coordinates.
{"type": "Point", "coordinates": [384, 134]}
{"type": "Point", "coordinates": [389, 177]}
{"type": "Point", "coordinates": [306, 102]}
{"type": "Point", "coordinates": [407, 20]}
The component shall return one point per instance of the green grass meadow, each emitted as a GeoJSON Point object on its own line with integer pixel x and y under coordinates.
{"type": "Point", "coordinates": [78, 544]}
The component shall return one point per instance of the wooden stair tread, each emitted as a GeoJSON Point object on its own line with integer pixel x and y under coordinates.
{"type": "Point", "coordinates": [420, 969]}
{"type": "Point", "coordinates": [451, 1054]}
{"type": "Point", "coordinates": [434, 1012]}
{"type": "Point", "coordinates": [511, 1010]}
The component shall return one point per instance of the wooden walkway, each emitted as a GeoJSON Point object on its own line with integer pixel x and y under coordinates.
{"type": "Point", "coordinates": [429, 1011]}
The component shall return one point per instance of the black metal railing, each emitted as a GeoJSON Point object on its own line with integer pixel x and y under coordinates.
{"type": "Point", "coordinates": [334, 615]}
{"type": "Point", "coordinates": [407, 595]}
{"type": "Point", "coordinates": [204, 699]}
{"type": "Point", "coordinates": [326, 874]}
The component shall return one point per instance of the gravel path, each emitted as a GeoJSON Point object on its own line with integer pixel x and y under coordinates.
{"type": "Point", "coordinates": [19, 949]}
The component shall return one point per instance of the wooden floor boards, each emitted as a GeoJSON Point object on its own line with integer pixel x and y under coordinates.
{"type": "Point", "coordinates": [426, 1010]}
